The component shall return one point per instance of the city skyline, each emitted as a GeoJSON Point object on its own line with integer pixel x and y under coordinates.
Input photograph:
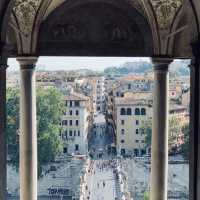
{"type": "Point", "coordinates": [75, 63]}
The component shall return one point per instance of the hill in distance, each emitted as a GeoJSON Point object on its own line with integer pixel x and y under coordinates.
{"type": "Point", "coordinates": [178, 67]}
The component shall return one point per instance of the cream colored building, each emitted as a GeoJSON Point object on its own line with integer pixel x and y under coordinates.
{"type": "Point", "coordinates": [131, 112]}
{"type": "Point", "coordinates": [75, 124]}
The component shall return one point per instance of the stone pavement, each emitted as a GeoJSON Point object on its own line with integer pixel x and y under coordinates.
{"type": "Point", "coordinates": [100, 182]}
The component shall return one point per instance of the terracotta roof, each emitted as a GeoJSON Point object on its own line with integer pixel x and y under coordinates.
{"type": "Point", "coordinates": [133, 98]}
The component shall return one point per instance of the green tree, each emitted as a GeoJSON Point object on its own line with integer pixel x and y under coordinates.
{"type": "Point", "coordinates": [174, 129]}
{"type": "Point", "coordinates": [185, 146]}
{"type": "Point", "coordinates": [147, 195]}
{"type": "Point", "coordinates": [12, 100]}
{"type": "Point", "coordinates": [49, 110]}
{"type": "Point", "coordinates": [147, 129]}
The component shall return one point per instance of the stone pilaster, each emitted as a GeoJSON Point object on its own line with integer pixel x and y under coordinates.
{"type": "Point", "coordinates": [159, 149]}
{"type": "Point", "coordinates": [3, 146]}
{"type": "Point", "coordinates": [28, 130]}
{"type": "Point", "coordinates": [194, 157]}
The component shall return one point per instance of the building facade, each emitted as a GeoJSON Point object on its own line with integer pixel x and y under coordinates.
{"type": "Point", "coordinates": [130, 116]}
{"type": "Point", "coordinates": [75, 124]}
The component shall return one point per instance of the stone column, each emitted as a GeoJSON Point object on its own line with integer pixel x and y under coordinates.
{"type": "Point", "coordinates": [194, 156]}
{"type": "Point", "coordinates": [28, 133]}
{"type": "Point", "coordinates": [194, 129]}
{"type": "Point", "coordinates": [3, 146]}
{"type": "Point", "coordinates": [159, 148]}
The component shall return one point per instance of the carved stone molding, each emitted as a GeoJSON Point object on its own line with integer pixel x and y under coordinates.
{"type": "Point", "coordinates": [165, 11]}
{"type": "Point", "coordinates": [104, 26]}
{"type": "Point", "coordinates": [25, 12]}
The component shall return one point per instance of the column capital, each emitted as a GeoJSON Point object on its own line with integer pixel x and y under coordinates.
{"type": "Point", "coordinates": [161, 63]}
{"type": "Point", "coordinates": [27, 62]}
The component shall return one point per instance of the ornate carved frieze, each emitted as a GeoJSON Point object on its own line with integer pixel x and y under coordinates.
{"type": "Point", "coordinates": [25, 12]}
{"type": "Point", "coordinates": [69, 32]}
{"type": "Point", "coordinates": [165, 11]}
{"type": "Point", "coordinates": [107, 27]}
{"type": "Point", "coordinates": [97, 28]}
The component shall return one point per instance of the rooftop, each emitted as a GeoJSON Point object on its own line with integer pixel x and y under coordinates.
{"type": "Point", "coordinates": [76, 97]}
{"type": "Point", "coordinates": [134, 98]}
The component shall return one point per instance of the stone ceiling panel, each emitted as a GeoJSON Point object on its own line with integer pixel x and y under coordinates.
{"type": "Point", "coordinates": [165, 11]}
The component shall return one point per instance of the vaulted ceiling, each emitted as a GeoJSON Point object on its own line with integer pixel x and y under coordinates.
{"type": "Point", "coordinates": [99, 27]}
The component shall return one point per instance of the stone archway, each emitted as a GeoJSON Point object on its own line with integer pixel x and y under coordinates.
{"type": "Point", "coordinates": [134, 28]}
{"type": "Point", "coordinates": [99, 28]}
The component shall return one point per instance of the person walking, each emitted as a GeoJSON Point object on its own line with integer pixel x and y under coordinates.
{"type": "Point", "coordinates": [104, 184]}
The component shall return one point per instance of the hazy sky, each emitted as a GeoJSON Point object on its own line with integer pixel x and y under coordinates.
{"type": "Point", "coordinates": [73, 63]}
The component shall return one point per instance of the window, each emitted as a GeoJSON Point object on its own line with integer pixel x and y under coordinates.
{"type": "Point", "coordinates": [77, 112]}
{"type": "Point", "coordinates": [70, 133]}
{"type": "Point", "coordinates": [65, 150]}
{"type": "Point", "coordinates": [70, 122]}
{"type": "Point", "coordinates": [143, 152]}
{"type": "Point", "coordinates": [66, 103]}
{"type": "Point", "coordinates": [136, 152]}
{"type": "Point", "coordinates": [142, 141]}
{"type": "Point", "coordinates": [77, 122]}
{"type": "Point", "coordinates": [143, 111]}
{"type": "Point", "coordinates": [70, 103]}
{"type": "Point", "coordinates": [66, 134]}
{"type": "Point", "coordinates": [137, 122]}
{"type": "Point", "coordinates": [122, 111]}
{"type": "Point", "coordinates": [123, 151]}
{"type": "Point", "coordinates": [122, 141]}
{"type": "Point", "coordinates": [70, 112]}
{"type": "Point", "coordinates": [78, 133]}
{"type": "Point", "coordinates": [137, 111]}
{"type": "Point", "coordinates": [74, 133]}
{"type": "Point", "coordinates": [64, 122]}
{"type": "Point", "coordinates": [76, 147]}
{"type": "Point", "coordinates": [136, 141]}
{"type": "Point", "coordinates": [136, 131]}
{"type": "Point", "coordinates": [122, 131]}
{"type": "Point", "coordinates": [122, 122]}
{"type": "Point", "coordinates": [129, 86]}
{"type": "Point", "coordinates": [142, 131]}
{"type": "Point", "coordinates": [129, 112]}
{"type": "Point", "coordinates": [76, 103]}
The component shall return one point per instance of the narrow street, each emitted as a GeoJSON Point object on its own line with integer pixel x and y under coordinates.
{"type": "Point", "coordinates": [100, 138]}
{"type": "Point", "coordinates": [100, 177]}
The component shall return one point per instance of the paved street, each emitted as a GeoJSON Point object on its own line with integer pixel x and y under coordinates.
{"type": "Point", "coordinates": [100, 181]}
{"type": "Point", "coordinates": [101, 138]}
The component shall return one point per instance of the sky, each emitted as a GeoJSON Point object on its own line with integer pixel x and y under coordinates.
{"type": "Point", "coordinates": [74, 63]}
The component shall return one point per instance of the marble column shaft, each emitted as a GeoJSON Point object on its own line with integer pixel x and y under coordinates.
{"type": "Point", "coordinates": [194, 157]}
{"type": "Point", "coordinates": [28, 130]}
{"type": "Point", "coordinates": [159, 148]}
{"type": "Point", "coordinates": [3, 146]}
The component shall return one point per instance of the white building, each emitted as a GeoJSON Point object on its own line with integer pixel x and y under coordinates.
{"type": "Point", "coordinates": [100, 94]}
{"type": "Point", "coordinates": [75, 124]}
